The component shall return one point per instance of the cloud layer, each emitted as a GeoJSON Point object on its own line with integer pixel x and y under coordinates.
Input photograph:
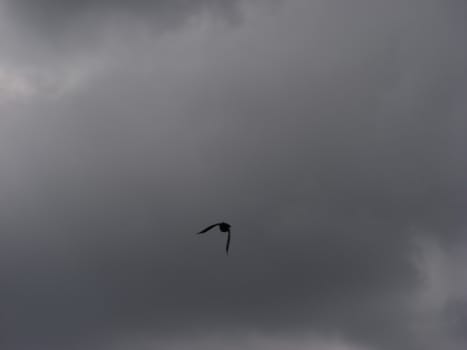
{"type": "Point", "coordinates": [330, 135]}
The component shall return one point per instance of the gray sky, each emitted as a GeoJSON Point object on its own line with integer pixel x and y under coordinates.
{"type": "Point", "coordinates": [329, 133]}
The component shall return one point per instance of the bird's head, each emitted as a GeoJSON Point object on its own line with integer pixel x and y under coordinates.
{"type": "Point", "coordinates": [224, 227]}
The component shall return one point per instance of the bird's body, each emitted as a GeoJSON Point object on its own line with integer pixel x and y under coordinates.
{"type": "Point", "coordinates": [223, 227]}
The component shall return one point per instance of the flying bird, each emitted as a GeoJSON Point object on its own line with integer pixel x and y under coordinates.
{"type": "Point", "coordinates": [223, 227]}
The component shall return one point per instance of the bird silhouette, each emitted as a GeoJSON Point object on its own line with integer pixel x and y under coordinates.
{"type": "Point", "coordinates": [223, 227]}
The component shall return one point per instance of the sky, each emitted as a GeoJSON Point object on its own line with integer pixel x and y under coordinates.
{"type": "Point", "coordinates": [329, 133]}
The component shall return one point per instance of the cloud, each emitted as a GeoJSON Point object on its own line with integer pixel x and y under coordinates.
{"type": "Point", "coordinates": [329, 135]}
{"type": "Point", "coordinates": [63, 19]}
{"type": "Point", "coordinates": [440, 307]}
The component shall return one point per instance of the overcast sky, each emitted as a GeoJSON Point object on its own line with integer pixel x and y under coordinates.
{"type": "Point", "coordinates": [331, 135]}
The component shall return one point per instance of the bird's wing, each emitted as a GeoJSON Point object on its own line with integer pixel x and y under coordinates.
{"type": "Point", "coordinates": [207, 229]}
{"type": "Point", "coordinates": [228, 243]}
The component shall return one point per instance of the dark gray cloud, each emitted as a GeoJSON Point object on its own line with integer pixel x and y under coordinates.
{"type": "Point", "coordinates": [329, 135]}
{"type": "Point", "coordinates": [61, 20]}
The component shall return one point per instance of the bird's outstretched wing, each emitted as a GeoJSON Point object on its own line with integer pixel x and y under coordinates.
{"type": "Point", "coordinates": [207, 228]}
{"type": "Point", "coordinates": [228, 243]}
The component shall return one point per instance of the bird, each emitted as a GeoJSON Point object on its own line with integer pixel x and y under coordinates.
{"type": "Point", "coordinates": [223, 227]}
